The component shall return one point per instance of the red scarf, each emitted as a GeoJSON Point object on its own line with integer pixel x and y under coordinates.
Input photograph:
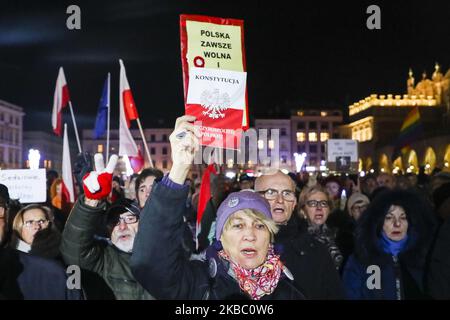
{"type": "Point", "coordinates": [261, 280]}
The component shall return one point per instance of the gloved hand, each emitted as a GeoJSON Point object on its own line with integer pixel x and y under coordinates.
{"type": "Point", "coordinates": [82, 165]}
{"type": "Point", "coordinates": [97, 184]}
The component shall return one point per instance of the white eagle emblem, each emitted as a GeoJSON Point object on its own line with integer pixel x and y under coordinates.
{"type": "Point", "coordinates": [214, 103]}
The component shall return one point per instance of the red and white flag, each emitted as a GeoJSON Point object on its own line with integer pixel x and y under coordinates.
{"type": "Point", "coordinates": [68, 194]}
{"type": "Point", "coordinates": [128, 112]}
{"type": "Point", "coordinates": [60, 101]}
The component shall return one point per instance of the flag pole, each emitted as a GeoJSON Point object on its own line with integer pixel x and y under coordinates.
{"type": "Point", "coordinates": [145, 142]}
{"type": "Point", "coordinates": [109, 108]}
{"type": "Point", "coordinates": [75, 126]}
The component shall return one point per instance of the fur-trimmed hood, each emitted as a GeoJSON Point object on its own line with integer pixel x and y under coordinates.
{"type": "Point", "coordinates": [421, 228]}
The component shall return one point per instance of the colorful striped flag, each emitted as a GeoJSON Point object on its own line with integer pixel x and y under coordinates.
{"type": "Point", "coordinates": [410, 131]}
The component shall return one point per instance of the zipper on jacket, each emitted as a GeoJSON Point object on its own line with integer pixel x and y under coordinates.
{"type": "Point", "coordinates": [398, 274]}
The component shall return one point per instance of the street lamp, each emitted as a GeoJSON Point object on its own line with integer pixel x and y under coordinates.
{"type": "Point", "coordinates": [33, 158]}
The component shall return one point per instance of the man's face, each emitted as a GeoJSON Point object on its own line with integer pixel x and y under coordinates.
{"type": "Point", "coordinates": [124, 233]}
{"type": "Point", "coordinates": [145, 188]}
{"type": "Point", "coordinates": [282, 184]}
{"type": "Point", "coordinates": [386, 180]}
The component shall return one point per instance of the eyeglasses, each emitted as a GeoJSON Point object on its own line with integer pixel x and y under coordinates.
{"type": "Point", "coordinates": [40, 222]}
{"type": "Point", "coordinates": [272, 194]}
{"type": "Point", "coordinates": [317, 203]}
{"type": "Point", "coordinates": [128, 219]}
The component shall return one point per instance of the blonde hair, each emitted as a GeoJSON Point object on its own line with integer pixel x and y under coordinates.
{"type": "Point", "coordinates": [307, 192]}
{"type": "Point", "coordinates": [18, 219]}
{"type": "Point", "coordinates": [255, 215]}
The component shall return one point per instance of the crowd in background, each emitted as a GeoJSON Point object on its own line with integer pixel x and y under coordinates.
{"type": "Point", "coordinates": [331, 230]}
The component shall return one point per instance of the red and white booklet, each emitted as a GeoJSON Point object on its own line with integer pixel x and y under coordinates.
{"type": "Point", "coordinates": [214, 78]}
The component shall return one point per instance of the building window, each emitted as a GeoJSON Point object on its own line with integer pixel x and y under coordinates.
{"type": "Point", "coordinates": [312, 136]}
{"type": "Point", "coordinates": [164, 164]}
{"type": "Point", "coordinates": [301, 136]}
{"type": "Point", "coordinates": [301, 148]}
{"type": "Point", "coordinates": [322, 148]}
{"type": "Point", "coordinates": [164, 150]}
{"type": "Point", "coordinates": [164, 137]}
{"type": "Point", "coordinates": [300, 125]}
{"type": "Point", "coordinates": [283, 147]}
{"type": "Point", "coordinates": [313, 125]}
{"type": "Point", "coordinates": [152, 138]}
{"type": "Point", "coordinates": [271, 144]}
{"type": "Point", "coordinates": [283, 132]}
{"type": "Point", "coordinates": [313, 148]}
{"type": "Point", "coordinates": [324, 126]}
{"type": "Point", "coordinates": [324, 136]}
{"type": "Point", "coordinates": [260, 144]}
{"type": "Point", "coordinates": [100, 148]}
{"type": "Point", "coordinates": [152, 151]}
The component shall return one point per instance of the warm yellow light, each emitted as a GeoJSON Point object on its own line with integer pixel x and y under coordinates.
{"type": "Point", "coordinates": [324, 136]}
{"type": "Point", "coordinates": [301, 136]}
{"type": "Point", "coordinates": [260, 144]}
{"type": "Point", "coordinates": [312, 136]}
{"type": "Point", "coordinates": [271, 144]}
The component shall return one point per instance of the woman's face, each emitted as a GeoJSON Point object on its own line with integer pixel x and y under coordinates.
{"type": "Point", "coordinates": [247, 241]}
{"type": "Point", "coordinates": [395, 223]}
{"type": "Point", "coordinates": [33, 221]}
{"type": "Point", "coordinates": [317, 208]}
{"type": "Point", "coordinates": [333, 189]}
{"type": "Point", "coordinates": [145, 188]}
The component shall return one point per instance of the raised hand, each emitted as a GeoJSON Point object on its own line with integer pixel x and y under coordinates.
{"type": "Point", "coordinates": [184, 142]}
{"type": "Point", "coordinates": [97, 184]}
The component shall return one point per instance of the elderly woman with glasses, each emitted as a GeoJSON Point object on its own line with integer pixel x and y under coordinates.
{"type": "Point", "coordinates": [315, 205]}
{"type": "Point", "coordinates": [241, 264]}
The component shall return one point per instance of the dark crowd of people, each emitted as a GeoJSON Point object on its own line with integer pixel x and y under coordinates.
{"type": "Point", "coordinates": [272, 236]}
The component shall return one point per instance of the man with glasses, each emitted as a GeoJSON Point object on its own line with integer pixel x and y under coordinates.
{"type": "Point", "coordinates": [307, 259]}
{"type": "Point", "coordinates": [79, 246]}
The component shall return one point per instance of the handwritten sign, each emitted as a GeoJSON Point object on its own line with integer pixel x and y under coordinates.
{"type": "Point", "coordinates": [28, 186]}
{"type": "Point", "coordinates": [342, 155]}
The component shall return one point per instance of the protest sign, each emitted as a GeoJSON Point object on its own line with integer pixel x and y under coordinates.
{"type": "Point", "coordinates": [26, 185]}
{"type": "Point", "coordinates": [214, 77]}
{"type": "Point", "coordinates": [342, 155]}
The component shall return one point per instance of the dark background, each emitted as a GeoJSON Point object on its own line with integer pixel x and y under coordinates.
{"type": "Point", "coordinates": [310, 55]}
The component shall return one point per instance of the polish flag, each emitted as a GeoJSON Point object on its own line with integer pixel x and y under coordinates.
{"type": "Point", "coordinates": [60, 100]}
{"type": "Point", "coordinates": [68, 194]}
{"type": "Point", "coordinates": [128, 112]}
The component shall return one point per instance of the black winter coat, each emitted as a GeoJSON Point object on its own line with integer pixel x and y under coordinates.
{"type": "Point", "coordinates": [310, 263]}
{"type": "Point", "coordinates": [160, 265]}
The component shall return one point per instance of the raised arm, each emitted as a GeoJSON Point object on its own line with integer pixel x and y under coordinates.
{"type": "Point", "coordinates": [158, 261]}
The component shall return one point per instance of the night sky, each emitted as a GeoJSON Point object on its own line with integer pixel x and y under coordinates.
{"type": "Point", "coordinates": [315, 55]}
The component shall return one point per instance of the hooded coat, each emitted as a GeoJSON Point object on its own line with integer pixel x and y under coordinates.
{"type": "Point", "coordinates": [370, 272]}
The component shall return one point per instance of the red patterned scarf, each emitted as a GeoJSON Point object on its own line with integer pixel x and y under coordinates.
{"type": "Point", "coordinates": [261, 280]}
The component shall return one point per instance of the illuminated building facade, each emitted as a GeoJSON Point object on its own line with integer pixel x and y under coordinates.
{"type": "Point", "coordinates": [376, 121]}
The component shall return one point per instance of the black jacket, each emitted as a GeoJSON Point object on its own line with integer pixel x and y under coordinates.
{"type": "Point", "coordinates": [402, 277]}
{"type": "Point", "coordinates": [439, 273]}
{"type": "Point", "coordinates": [309, 261]}
{"type": "Point", "coordinates": [26, 276]}
{"type": "Point", "coordinates": [160, 265]}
